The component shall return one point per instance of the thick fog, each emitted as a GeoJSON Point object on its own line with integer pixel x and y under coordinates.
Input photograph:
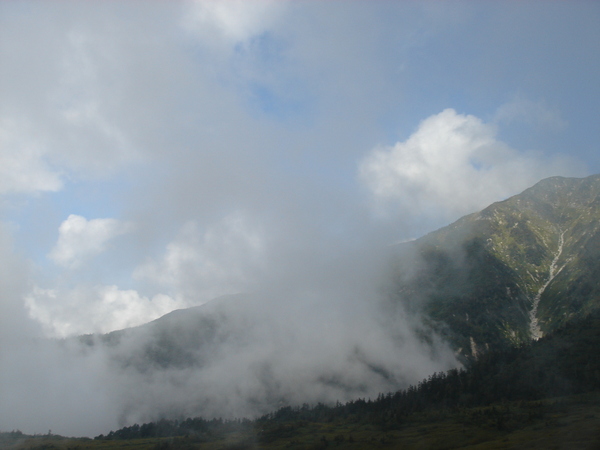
{"type": "Point", "coordinates": [317, 328]}
{"type": "Point", "coordinates": [156, 156]}
{"type": "Point", "coordinates": [313, 323]}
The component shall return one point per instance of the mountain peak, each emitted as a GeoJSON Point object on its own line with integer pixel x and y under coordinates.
{"type": "Point", "coordinates": [515, 270]}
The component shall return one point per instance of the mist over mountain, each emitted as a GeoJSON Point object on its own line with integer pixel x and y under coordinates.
{"type": "Point", "coordinates": [510, 273]}
{"type": "Point", "coordinates": [365, 322]}
{"type": "Point", "coordinates": [504, 276]}
{"type": "Point", "coordinates": [245, 355]}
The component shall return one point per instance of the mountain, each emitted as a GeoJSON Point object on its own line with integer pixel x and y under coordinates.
{"type": "Point", "coordinates": [502, 277]}
{"type": "Point", "coordinates": [510, 273]}
{"type": "Point", "coordinates": [184, 338]}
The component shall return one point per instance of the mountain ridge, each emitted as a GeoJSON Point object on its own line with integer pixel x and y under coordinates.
{"type": "Point", "coordinates": [502, 276]}
{"type": "Point", "coordinates": [493, 280]}
{"type": "Point", "coordinates": [532, 260]}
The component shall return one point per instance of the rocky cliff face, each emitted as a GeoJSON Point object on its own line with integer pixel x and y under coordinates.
{"type": "Point", "coordinates": [511, 272]}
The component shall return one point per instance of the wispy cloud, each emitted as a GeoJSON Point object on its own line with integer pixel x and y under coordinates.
{"type": "Point", "coordinates": [199, 265]}
{"type": "Point", "coordinates": [24, 166]}
{"type": "Point", "coordinates": [232, 22]}
{"type": "Point", "coordinates": [80, 239]}
{"type": "Point", "coordinates": [535, 114]}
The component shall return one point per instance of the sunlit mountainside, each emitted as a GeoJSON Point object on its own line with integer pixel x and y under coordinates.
{"type": "Point", "coordinates": [510, 273]}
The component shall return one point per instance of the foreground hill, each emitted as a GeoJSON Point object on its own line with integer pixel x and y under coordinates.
{"type": "Point", "coordinates": [510, 273]}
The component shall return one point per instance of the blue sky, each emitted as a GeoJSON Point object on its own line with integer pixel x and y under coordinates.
{"type": "Point", "coordinates": [170, 152]}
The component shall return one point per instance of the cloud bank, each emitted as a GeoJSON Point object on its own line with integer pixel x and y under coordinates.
{"type": "Point", "coordinates": [97, 309]}
{"type": "Point", "coordinates": [452, 165]}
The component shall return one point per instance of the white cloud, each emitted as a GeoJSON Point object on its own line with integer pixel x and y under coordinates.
{"type": "Point", "coordinates": [232, 21]}
{"type": "Point", "coordinates": [98, 309]}
{"type": "Point", "coordinates": [195, 268]}
{"type": "Point", "coordinates": [80, 239]}
{"type": "Point", "coordinates": [83, 98]}
{"type": "Point", "coordinates": [452, 165]}
{"type": "Point", "coordinates": [70, 84]}
{"type": "Point", "coordinates": [14, 280]}
{"type": "Point", "coordinates": [198, 266]}
{"type": "Point", "coordinates": [23, 166]}
{"type": "Point", "coordinates": [532, 113]}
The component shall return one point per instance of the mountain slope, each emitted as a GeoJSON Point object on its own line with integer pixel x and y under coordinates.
{"type": "Point", "coordinates": [506, 275]}
{"type": "Point", "coordinates": [512, 272]}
